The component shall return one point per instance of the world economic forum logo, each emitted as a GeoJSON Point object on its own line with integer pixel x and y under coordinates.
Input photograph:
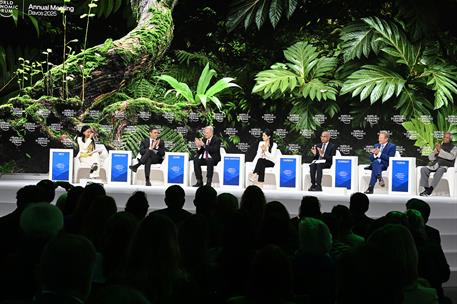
{"type": "Point", "coordinates": [119, 167]}
{"type": "Point", "coordinates": [175, 169]}
{"type": "Point", "coordinates": [287, 172]}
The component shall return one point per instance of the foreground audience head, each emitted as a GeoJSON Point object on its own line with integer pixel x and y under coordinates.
{"type": "Point", "coordinates": [314, 236]}
{"type": "Point", "coordinates": [421, 206]}
{"type": "Point", "coordinates": [91, 191]}
{"type": "Point", "coordinates": [28, 195]}
{"type": "Point", "coordinates": [41, 220]}
{"type": "Point", "coordinates": [175, 197]}
{"type": "Point", "coordinates": [137, 204]}
{"type": "Point", "coordinates": [309, 207]}
{"type": "Point", "coordinates": [94, 222]}
{"type": "Point", "coordinates": [253, 201]}
{"type": "Point", "coordinates": [48, 188]}
{"type": "Point", "coordinates": [73, 196]}
{"type": "Point", "coordinates": [271, 276]}
{"type": "Point", "coordinates": [205, 200]}
{"type": "Point", "coordinates": [67, 265]}
{"type": "Point", "coordinates": [226, 204]}
{"type": "Point", "coordinates": [359, 203]}
{"type": "Point", "coordinates": [344, 218]}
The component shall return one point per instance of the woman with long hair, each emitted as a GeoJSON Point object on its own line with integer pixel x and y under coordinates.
{"type": "Point", "coordinates": [265, 157]}
{"type": "Point", "coordinates": [88, 154]}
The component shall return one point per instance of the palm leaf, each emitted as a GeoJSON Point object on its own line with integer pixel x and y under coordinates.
{"type": "Point", "coordinates": [376, 82]}
{"type": "Point", "coordinates": [302, 57]}
{"type": "Point", "coordinates": [316, 89]}
{"type": "Point", "coordinates": [270, 81]}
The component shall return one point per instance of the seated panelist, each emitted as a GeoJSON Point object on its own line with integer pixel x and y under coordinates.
{"type": "Point", "coordinates": [323, 158]}
{"type": "Point", "coordinates": [208, 154]}
{"type": "Point", "coordinates": [265, 157]}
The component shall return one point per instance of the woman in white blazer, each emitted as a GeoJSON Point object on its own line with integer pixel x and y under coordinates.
{"type": "Point", "coordinates": [265, 157]}
{"type": "Point", "coordinates": [87, 152]}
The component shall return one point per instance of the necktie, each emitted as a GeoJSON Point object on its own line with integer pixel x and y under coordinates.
{"type": "Point", "coordinates": [206, 151]}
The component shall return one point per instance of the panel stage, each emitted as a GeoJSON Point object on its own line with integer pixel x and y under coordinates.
{"type": "Point", "coordinates": [443, 215]}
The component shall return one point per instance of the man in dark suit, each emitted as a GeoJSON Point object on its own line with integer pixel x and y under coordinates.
{"type": "Point", "coordinates": [323, 157]}
{"type": "Point", "coordinates": [208, 153]}
{"type": "Point", "coordinates": [379, 158]}
{"type": "Point", "coordinates": [152, 151]}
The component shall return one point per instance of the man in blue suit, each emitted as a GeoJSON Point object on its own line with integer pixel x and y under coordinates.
{"type": "Point", "coordinates": [379, 158]}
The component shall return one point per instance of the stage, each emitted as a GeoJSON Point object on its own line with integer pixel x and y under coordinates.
{"type": "Point", "coordinates": [443, 215]}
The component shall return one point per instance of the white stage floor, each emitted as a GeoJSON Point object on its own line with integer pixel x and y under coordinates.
{"type": "Point", "coordinates": [443, 215]}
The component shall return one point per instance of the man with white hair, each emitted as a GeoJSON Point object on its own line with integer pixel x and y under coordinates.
{"type": "Point", "coordinates": [322, 158]}
{"type": "Point", "coordinates": [208, 153]}
{"type": "Point", "coordinates": [442, 157]}
{"type": "Point", "coordinates": [379, 158]}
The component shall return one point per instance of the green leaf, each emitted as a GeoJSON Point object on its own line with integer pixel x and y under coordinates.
{"type": "Point", "coordinates": [261, 14]}
{"type": "Point", "coordinates": [180, 87]}
{"type": "Point", "coordinates": [205, 79]}
{"type": "Point", "coordinates": [358, 39]}
{"type": "Point", "coordinates": [443, 80]}
{"type": "Point", "coordinates": [268, 81]}
{"type": "Point", "coordinates": [413, 104]}
{"type": "Point", "coordinates": [374, 81]}
{"type": "Point", "coordinates": [424, 134]}
{"type": "Point", "coordinates": [276, 11]}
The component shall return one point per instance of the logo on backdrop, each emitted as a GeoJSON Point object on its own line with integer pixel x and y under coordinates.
{"type": "Point", "coordinates": [282, 133]}
{"type": "Point", "coordinates": [44, 113]}
{"type": "Point", "coordinates": [243, 146]}
{"type": "Point", "coordinates": [69, 113]}
{"type": "Point", "coordinates": [219, 117]}
{"type": "Point", "coordinates": [17, 140]}
{"type": "Point", "coordinates": [169, 145]}
{"type": "Point", "coordinates": [105, 128]}
{"type": "Point", "coordinates": [243, 117]}
{"type": "Point", "coordinates": [7, 8]}
{"type": "Point", "coordinates": [307, 133]}
{"type": "Point", "coordinates": [30, 126]}
{"type": "Point", "coordinates": [345, 149]}
{"type": "Point", "coordinates": [398, 119]}
{"type": "Point", "coordinates": [169, 116]}
{"type": "Point", "coordinates": [94, 114]}
{"type": "Point", "coordinates": [412, 135]}
{"type": "Point", "coordinates": [144, 115]}
{"type": "Point", "coordinates": [48, 10]}
{"type": "Point", "coordinates": [182, 130]}
{"type": "Point", "coordinates": [401, 150]}
{"type": "Point", "coordinates": [452, 119]}
{"type": "Point", "coordinates": [320, 118]}
{"type": "Point", "coordinates": [293, 118]}
{"type": "Point", "coordinates": [42, 141]}
{"type": "Point", "coordinates": [369, 148]}
{"type": "Point", "coordinates": [193, 117]}
{"type": "Point", "coordinates": [438, 134]}
{"type": "Point", "coordinates": [230, 131]}
{"type": "Point", "coordinates": [119, 114]}
{"type": "Point", "coordinates": [426, 119]}
{"type": "Point", "coordinates": [130, 129]}
{"type": "Point", "coordinates": [269, 117]}
{"type": "Point", "coordinates": [372, 119]}
{"type": "Point", "coordinates": [256, 132]}
{"type": "Point", "coordinates": [17, 111]}
{"type": "Point", "coordinates": [334, 134]}
{"type": "Point", "coordinates": [56, 127]}
{"type": "Point", "coordinates": [294, 148]}
{"type": "Point", "coordinates": [4, 125]}
{"type": "Point", "coordinates": [359, 134]}
{"type": "Point", "coordinates": [345, 118]}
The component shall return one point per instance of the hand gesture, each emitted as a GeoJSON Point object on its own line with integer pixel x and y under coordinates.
{"type": "Point", "coordinates": [198, 142]}
{"type": "Point", "coordinates": [437, 148]}
{"type": "Point", "coordinates": [313, 150]}
{"type": "Point", "coordinates": [375, 151]}
{"type": "Point", "coordinates": [320, 151]}
{"type": "Point", "coordinates": [263, 147]}
{"type": "Point", "coordinates": [157, 143]}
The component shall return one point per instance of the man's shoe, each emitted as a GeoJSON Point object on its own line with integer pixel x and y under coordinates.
{"type": "Point", "coordinates": [318, 188]}
{"type": "Point", "coordinates": [198, 184]}
{"type": "Point", "coordinates": [381, 181]}
{"type": "Point", "coordinates": [93, 168]}
{"type": "Point", "coordinates": [208, 182]}
{"type": "Point", "coordinates": [253, 177]}
{"type": "Point", "coordinates": [424, 193]}
{"type": "Point", "coordinates": [134, 167]}
{"type": "Point", "coordinates": [148, 183]}
{"type": "Point", "coordinates": [369, 190]}
{"type": "Point", "coordinates": [312, 188]}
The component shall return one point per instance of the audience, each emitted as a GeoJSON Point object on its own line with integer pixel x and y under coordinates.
{"type": "Point", "coordinates": [358, 205]}
{"type": "Point", "coordinates": [174, 200]}
{"type": "Point", "coordinates": [137, 205]}
{"type": "Point", "coordinates": [225, 253]}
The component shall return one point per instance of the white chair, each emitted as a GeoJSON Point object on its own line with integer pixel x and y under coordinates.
{"type": "Point", "coordinates": [270, 172]}
{"type": "Point", "coordinates": [327, 175]}
{"type": "Point", "coordinates": [217, 173]}
{"type": "Point", "coordinates": [446, 185]}
{"type": "Point", "coordinates": [156, 176]}
{"type": "Point", "coordinates": [82, 170]}
{"type": "Point", "coordinates": [365, 175]}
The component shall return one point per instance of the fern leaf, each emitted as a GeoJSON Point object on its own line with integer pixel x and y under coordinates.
{"type": "Point", "coordinates": [358, 39]}
{"type": "Point", "coordinates": [443, 80]}
{"type": "Point", "coordinates": [413, 104]}
{"type": "Point", "coordinates": [270, 80]}
{"type": "Point", "coordinates": [276, 11]}
{"type": "Point", "coordinates": [262, 13]}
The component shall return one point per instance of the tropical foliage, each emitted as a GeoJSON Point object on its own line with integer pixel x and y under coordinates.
{"type": "Point", "coordinates": [203, 93]}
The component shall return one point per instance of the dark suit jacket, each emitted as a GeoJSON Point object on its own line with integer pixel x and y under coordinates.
{"type": "Point", "coordinates": [144, 147]}
{"type": "Point", "coordinates": [330, 151]}
{"type": "Point", "coordinates": [214, 149]}
{"type": "Point", "coordinates": [387, 152]}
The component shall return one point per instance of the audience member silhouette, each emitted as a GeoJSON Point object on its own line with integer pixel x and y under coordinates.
{"type": "Point", "coordinates": [153, 262]}
{"type": "Point", "coordinates": [314, 269]}
{"type": "Point", "coordinates": [253, 204]}
{"type": "Point", "coordinates": [48, 188]}
{"type": "Point", "coordinates": [309, 207]}
{"type": "Point", "coordinates": [358, 205]}
{"type": "Point", "coordinates": [424, 208]}
{"type": "Point", "coordinates": [65, 270]}
{"type": "Point", "coordinates": [270, 279]}
{"type": "Point", "coordinates": [345, 222]}
{"type": "Point", "coordinates": [73, 196]}
{"type": "Point", "coordinates": [117, 294]}
{"type": "Point", "coordinates": [118, 232]}
{"type": "Point", "coordinates": [175, 198]}
{"type": "Point", "coordinates": [138, 205]}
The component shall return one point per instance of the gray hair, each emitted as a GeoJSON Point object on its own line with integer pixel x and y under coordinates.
{"type": "Point", "coordinates": [386, 134]}
{"type": "Point", "coordinates": [210, 128]}
{"type": "Point", "coordinates": [448, 132]}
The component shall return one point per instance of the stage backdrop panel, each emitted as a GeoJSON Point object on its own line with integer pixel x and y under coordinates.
{"type": "Point", "coordinates": [61, 165]}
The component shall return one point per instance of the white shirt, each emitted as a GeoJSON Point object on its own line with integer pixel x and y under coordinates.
{"type": "Point", "coordinates": [271, 156]}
